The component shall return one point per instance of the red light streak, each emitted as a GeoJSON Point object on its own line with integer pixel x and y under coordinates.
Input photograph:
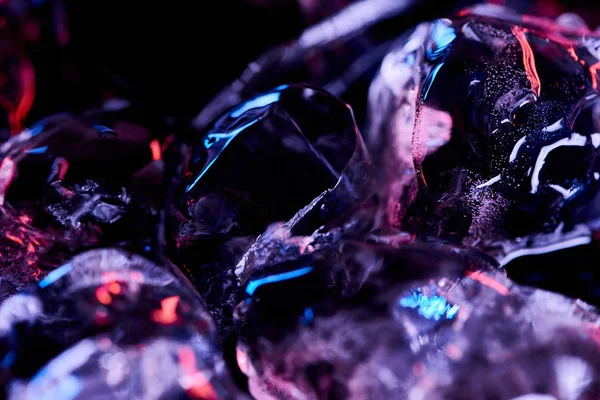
{"type": "Point", "coordinates": [528, 60]}
{"type": "Point", "coordinates": [489, 282]}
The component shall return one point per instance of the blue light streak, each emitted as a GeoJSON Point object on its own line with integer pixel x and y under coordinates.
{"type": "Point", "coordinates": [255, 284]}
{"type": "Point", "coordinates": [55, 275]}
{"type": "Point", "coordinates": [259, 102]}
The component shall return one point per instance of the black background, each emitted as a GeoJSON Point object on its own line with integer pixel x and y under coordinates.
{"type": "Point", "coordinates": [175, 55]}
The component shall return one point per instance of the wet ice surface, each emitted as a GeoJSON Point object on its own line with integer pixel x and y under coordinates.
{"type": "Point", "coordinates": [70, 183]}
{"type": "Point", "coordinates": [293, 150]}
{"type": "Point", "coordinates": [115, 324]}
{"type": "Point", "coordinates": [362, 321]}
{"type": "Point", "coordinates": [330, 268]}
{"type": "Point", "coordinates": [508, 163]}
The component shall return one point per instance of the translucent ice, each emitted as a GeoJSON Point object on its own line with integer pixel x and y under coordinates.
{"type": "Point", "coordinates": [494, 114]}
{"type": "Point", "coordinates": [368, 322]}
{"type": "Point", "coordinates": [69, 183]}
{"type": "Point", "coordinates": [294, 153]}
{"type": "Point", "coordinates": [110, 323]}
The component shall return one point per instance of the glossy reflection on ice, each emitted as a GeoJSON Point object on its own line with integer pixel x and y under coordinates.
{"type": "Point", "coordinates": [110, 323]}
{"type": "Point", "coordinates": [495, 115]}
{"type": "Point", "coordinates": [294, 153]}
{"type": "Point", "coordinates": [70, 183]}
{"type": "Point", "coordinates": [332, 279]}
{"type": "Point", "coordinates": [360, 321]}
